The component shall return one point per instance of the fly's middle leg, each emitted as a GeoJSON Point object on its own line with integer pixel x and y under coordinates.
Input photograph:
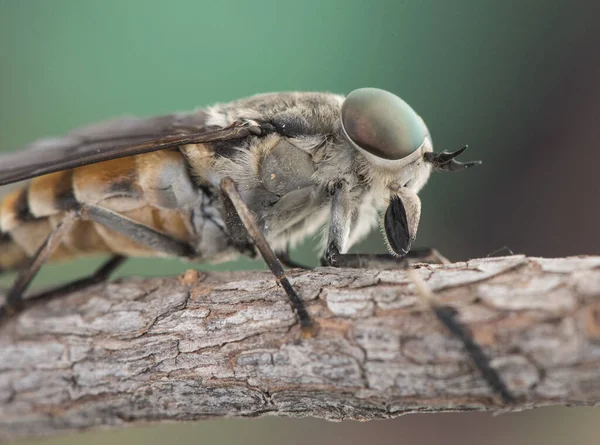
{"type": "Point", "coordinates": [243, 214]}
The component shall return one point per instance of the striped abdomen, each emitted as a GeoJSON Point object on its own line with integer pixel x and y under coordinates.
{"type": "Point", "coordinates": [153, 189]}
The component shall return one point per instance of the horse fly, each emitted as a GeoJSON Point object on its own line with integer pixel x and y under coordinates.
{"type": "Point", "coordinates": [257, 174]}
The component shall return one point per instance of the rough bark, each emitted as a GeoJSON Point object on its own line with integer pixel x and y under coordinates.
{"type": "Point", "coordinates": [226, 344]}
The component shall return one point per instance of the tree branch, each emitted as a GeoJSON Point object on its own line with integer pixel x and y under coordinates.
{"type": "Point", "coordinates": [227, 344]}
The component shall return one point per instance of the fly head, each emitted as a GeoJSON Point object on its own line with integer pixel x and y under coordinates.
{"type": "Point", "coordinates": [382, 126]}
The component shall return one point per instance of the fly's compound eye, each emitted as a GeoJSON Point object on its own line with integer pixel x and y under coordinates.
{"type": "Point", "coordinates": [382, 124]}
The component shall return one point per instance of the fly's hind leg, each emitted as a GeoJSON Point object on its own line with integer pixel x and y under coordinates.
{"type": "Point", "coordinates": [101, 274]}
{"type": "Point", "coordinates": [143, 234]}
{"type": "Point", "coordinates": [246, 220]}
{"type": "Point", "coordinates": [14, 302]}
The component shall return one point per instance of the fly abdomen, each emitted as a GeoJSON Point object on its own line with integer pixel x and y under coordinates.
{"type": "Point", "coordinates": [51, 194]}
{"type": "Point", "coordinates": [153, 189]}
{"type": "Point", "coordinates": [12, 256]}
{"type": "Point", "coordinates": [29, 214]}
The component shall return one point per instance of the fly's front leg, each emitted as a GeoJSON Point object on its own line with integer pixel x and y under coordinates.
{"type": "Point", "coordinates": [243, 214]}
{"type": "Point", "coordinates": [384, 260]}
{"type": "Point", "coordinates": [339, 229]}
{"type": "Point", "coordinates": [400, 223]}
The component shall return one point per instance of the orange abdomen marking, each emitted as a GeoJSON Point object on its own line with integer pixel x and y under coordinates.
{"type": "Point", "coordinates": [152, 189]}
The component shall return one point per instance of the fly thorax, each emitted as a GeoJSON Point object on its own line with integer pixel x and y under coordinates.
{"type": "Point", "coordinates": [286, 168]}
{"type": "Point", "coordinates": [286, 174]}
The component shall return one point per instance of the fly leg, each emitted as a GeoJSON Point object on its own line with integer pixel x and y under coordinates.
{"type": "Point", "coordinates": [286, 259]}
{"type": "Point", "coordinates": [14, 302]}
{"type": "Point", "coordinates": [143, 234]}
{"type": "Point", "coordinates": [381, 260]}
{"type": "Point", "coordinates": [400, 226]}
{"type": "Point", "coordinates": [99, 276]}
{"type": "Point", "coordinates": [245, 217]}
{"type": "Point", "coordinates": [400, 223]}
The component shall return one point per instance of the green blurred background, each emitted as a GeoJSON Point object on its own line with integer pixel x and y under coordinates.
{"type": "Point", "coordinates": [516, 80]}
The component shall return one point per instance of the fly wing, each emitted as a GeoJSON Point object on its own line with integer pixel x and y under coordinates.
{"type": "Point", "coordinates": [114, 139]}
